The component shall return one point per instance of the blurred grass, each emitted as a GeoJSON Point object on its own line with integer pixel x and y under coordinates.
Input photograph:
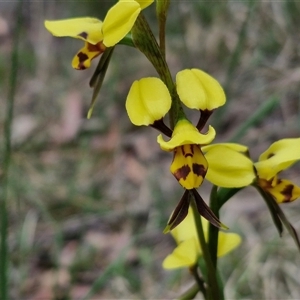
{"type": "Point", "coordinates": [78, 199]}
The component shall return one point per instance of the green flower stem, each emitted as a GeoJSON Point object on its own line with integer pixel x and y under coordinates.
{"type": "Point", "coordinates": [161, 12]}
{"type": "Point", "coordinates": [7, 155]}
{"type": "Point", "coordinates": [145, 41]}
{"type": "Point", "coordinates": [213, 232]}
{"type": "Point", "coordinates": [213, 236]}
{"type": "Point", "coordinates": [213, 288]}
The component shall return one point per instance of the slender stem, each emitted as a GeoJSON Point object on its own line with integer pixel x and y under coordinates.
{"type": "Point", "coordinates": [7, 157]}
{"type": "Point", "coordinates": [213, 232]}
{"type": "Point", "coordinates": [213, 289]}
{"type": "Point", "coordinates": [161, 12]}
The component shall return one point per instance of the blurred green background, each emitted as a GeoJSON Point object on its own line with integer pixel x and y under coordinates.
{"type": "Point", "coordinates": [88, 199]}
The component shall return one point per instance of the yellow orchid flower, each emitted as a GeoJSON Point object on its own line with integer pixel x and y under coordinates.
{"type": "Point", "coordinates": [96, 34]}
{"type": "Point", "coordinates": [278, 157]}
{"type": "Point", "coordinates": [188, 249]}
{"type": "Point", "coordinates": [238, 170]}
{"type": "Point", "coordinates": [149, 101]}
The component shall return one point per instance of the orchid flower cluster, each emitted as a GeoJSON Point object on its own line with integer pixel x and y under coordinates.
{"type": "Point", "coordinates": [194, 224]}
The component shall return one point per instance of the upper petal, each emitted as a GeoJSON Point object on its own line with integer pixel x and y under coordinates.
{"type": "Point", "coordinates": [227, 167]}
{"type": "Point", "coordinates": [279, 156]}
{"type": "Point", "coordinates": [234, 146]}
{"type": "Point", "coordinates": [87, 29]}
{"type": "Point", "coordinates": [148, 100]}
{"type": "Point", "coordinates": [119, 21]}
{"type": "Point", "coordinates": [198, 90]}
{"type": "Point", "coordinates": [185, 133]}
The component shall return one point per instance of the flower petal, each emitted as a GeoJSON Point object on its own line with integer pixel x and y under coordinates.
{"type": "Point", "coordinates": [228, 168]}
{"type": "Point", "coordinates": [278, 157]}
{"type": "Point", "coordinates": [227, 242]}
{"type": "Point", "coordinates": [236, 147]}
{"type": "Point", "coordinates": [184, 255]}
{"type": "Point", "coordinates": [87, 29]}
{"type": "Point", "coordinates": [148, 100]}
{"type": "Point", "coordinates": [198, 90]}
{"type": "Point", "coordinates": [189, 166]}
{"type": "Point", "coordinates": [185, 133]}
{"type": "Point", "coordinates": [82, 60]}
{"type": "Point", "coordinates": [119, 21]}
{"type": "Point", "coordinates": [186, 229]}
{"type": "Point", "coordinates": [281, 189]}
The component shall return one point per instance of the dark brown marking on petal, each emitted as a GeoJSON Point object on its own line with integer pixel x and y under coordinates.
{"type": "Point", "coordinates": [83, 34]}
{"type": "Point", "coordinates": [82, 58]}
{"type": "Point", "coordinates": [182, 173]}
{"type": "Point", "coordinates": [182, 149]}
{"type": "Point", "coordinates": [199, 170]}
{"type": "Point", "coordinates": [287, 192]}
{"type": "Point", "coordinates": [99, 47]}
{"type": "Point", "coordinates": [187, 154]}
{"type": "Point", "coordinates": [270, 155]}
{"type": "Point", "coordinates": [192, 149]}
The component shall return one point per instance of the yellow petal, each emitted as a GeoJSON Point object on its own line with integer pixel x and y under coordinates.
{"type": "Point", "coordinates": [186, 229]}
{"type": "Point", "coordinates": [278, 157]}
{"type": "Point", "coordinates": [282, 190]}
{"type": "Point", "coordinates": [82, 60]}
{"type": "Point", "coordinates": [143, 3]}
{"type": "Point", "coordinates": [119, 21]}
{"type": "Point", "coordinates": [198, 90]}
{"type": "Point", "coordinates": [184, 255]}
{"type": "Point", "coordinates": [148, 100]}
{"type": "Point", "coordinates": [228, 168]}
{"type": "Point", "coordinates": [189, 166]}
{"type": "Point", "coordinates": [188, 249]}
{"type": "Point", "coordinates": [185, 133]}
{"type": "Point", "coordinates": [227, 242]}
{"type": "Point", "coordinates": [87, 29]}
{"type": "Point", "coordinates": [236, 147]}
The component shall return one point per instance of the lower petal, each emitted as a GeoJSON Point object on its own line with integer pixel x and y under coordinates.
{"type": "Point", "coordinates": [282, 191]}
{"type": "Point", "coordinates": [189, 166]}
{"type": "Point", "coordinates": [83, 58]}
{"type": "Point", "coordinates": [184, 255]}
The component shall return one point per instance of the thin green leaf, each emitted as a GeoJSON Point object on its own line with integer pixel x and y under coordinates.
{"type": "Point", "coordinates": [98, 77]}
{"type": "Point", "coordinates": [224, 194]}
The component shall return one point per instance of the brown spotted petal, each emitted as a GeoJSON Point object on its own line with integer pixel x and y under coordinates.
{"type": "Point", "coordinates": [189, 166]}
{"type": "Point", "coordinates": [282, 190]}
{"type": "Point", "coordinates": [83, 58]}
